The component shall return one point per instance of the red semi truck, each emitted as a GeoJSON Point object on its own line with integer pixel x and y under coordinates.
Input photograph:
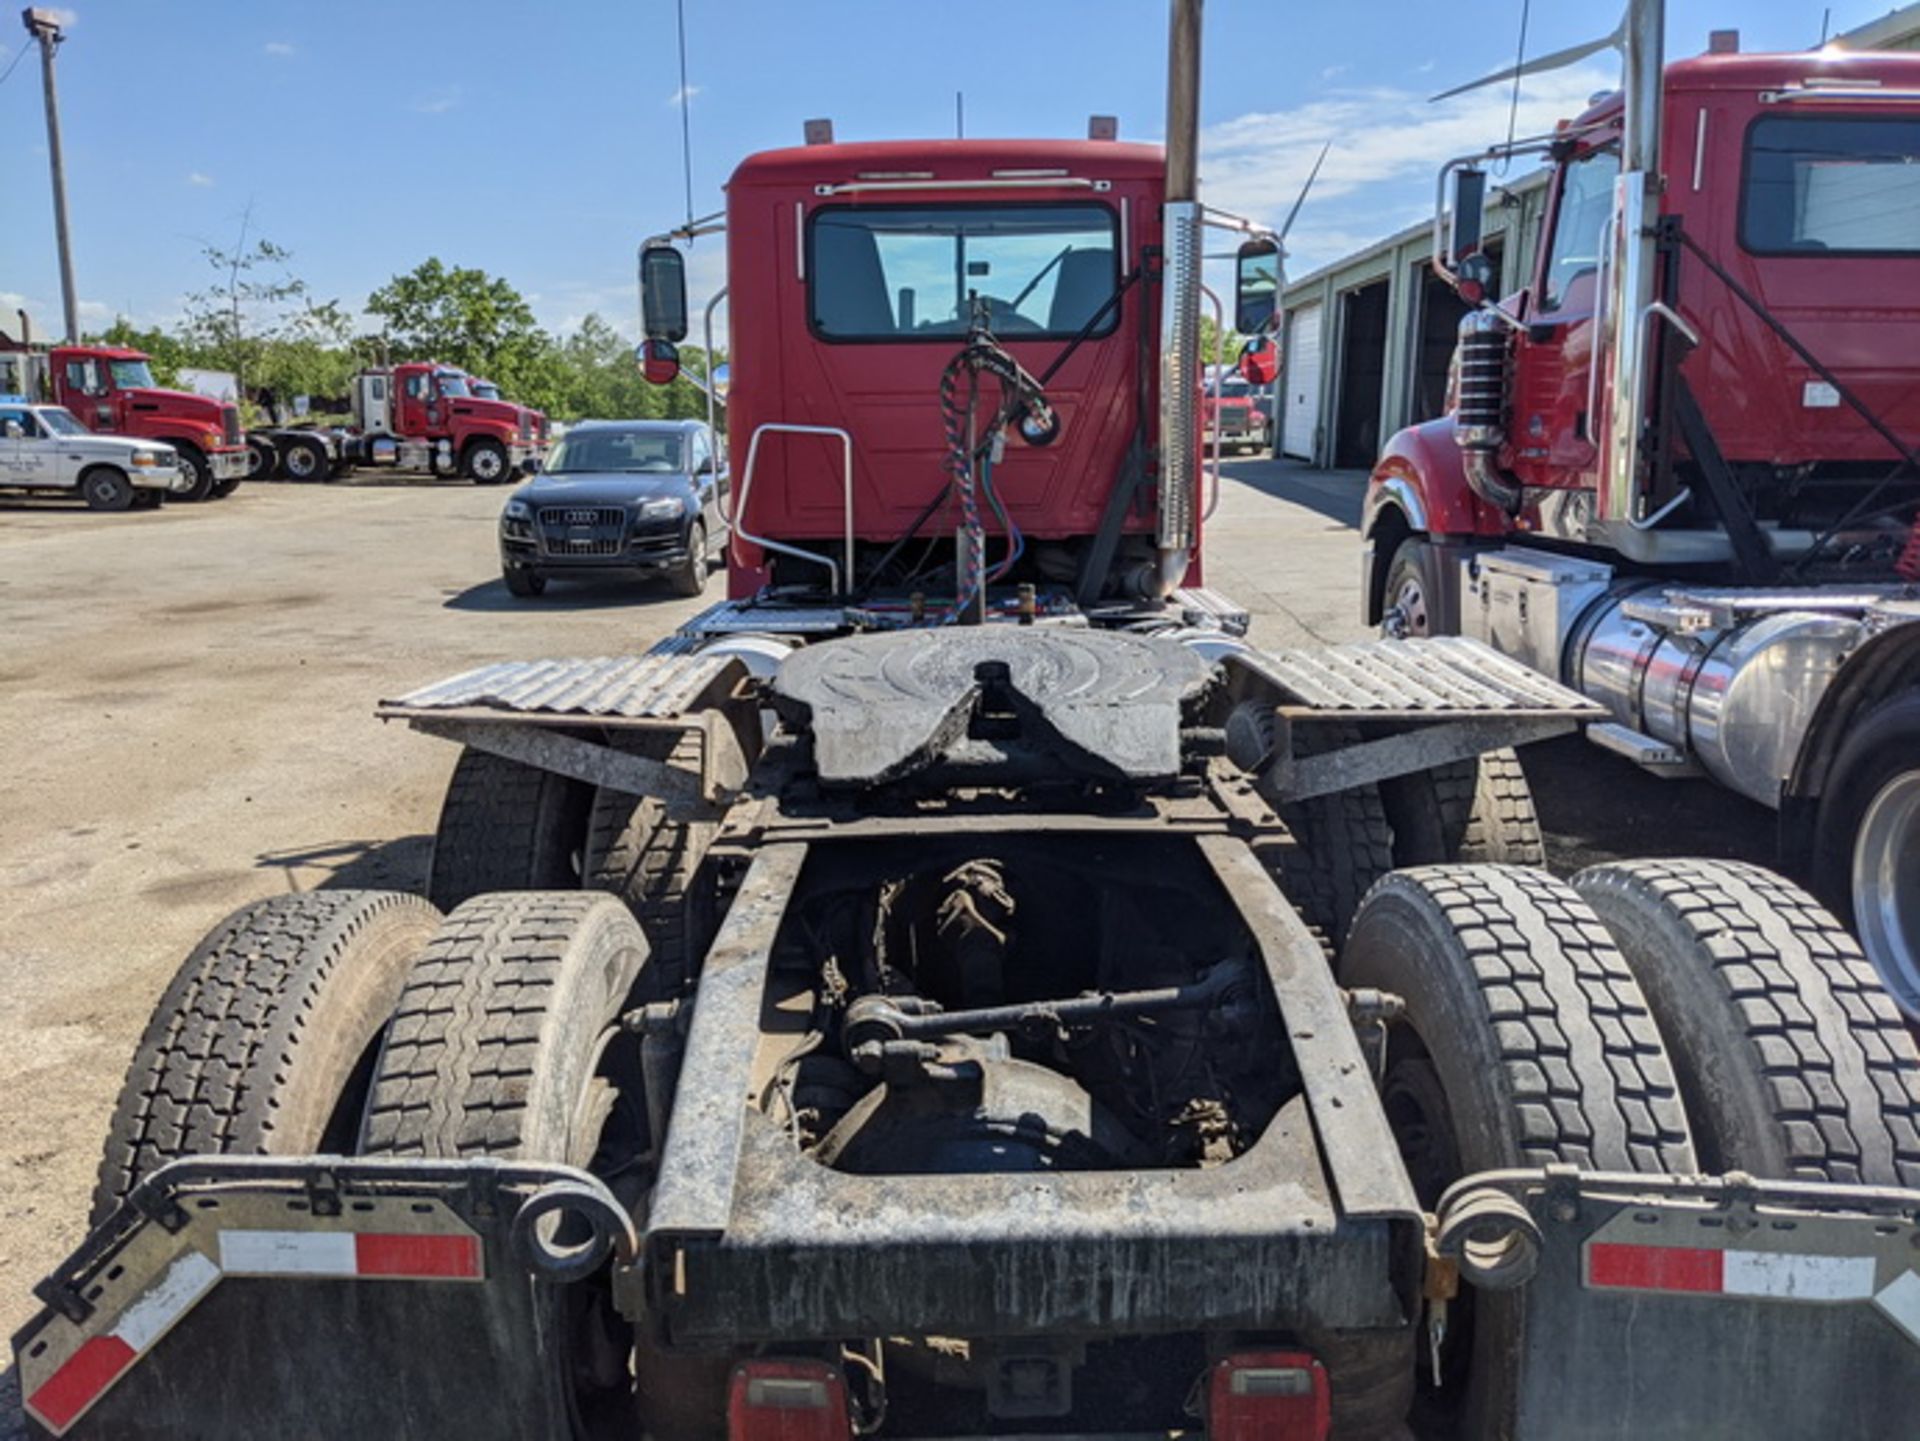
{"type": "Point", "coordinates": [417, 415]}
{"type": "Point", "coordinates": [1682, 470]}
{"type": "Point", "coordinates": [110, 390]}
{"type": "Point", "coordinates": [888, 1007]}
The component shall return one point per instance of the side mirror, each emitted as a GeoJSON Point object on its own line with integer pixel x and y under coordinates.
{"type": "Point", "coordinates": [663, 293]}
{"type": "Point", "coordinates": [14, 431]}
{"type": "Point", "coordinates": [530, 466]}
{"type": "Point", "coordinates": [1469, 207]}
{"type": "Point", "coordinates": [659, 361]}
{"type": "Point", "coordinates": [1256, 289]}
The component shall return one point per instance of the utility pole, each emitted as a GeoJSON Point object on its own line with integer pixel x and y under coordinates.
{"type": "Point", "coordinates": [44, 26]}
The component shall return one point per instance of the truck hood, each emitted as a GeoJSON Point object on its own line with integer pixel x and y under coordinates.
{"type": "Point", "coordinates": [499, 412]}
{"type": "Point", "coordinates": [623, 488]}
{"type": "Point", "coordinates": [181, 403]}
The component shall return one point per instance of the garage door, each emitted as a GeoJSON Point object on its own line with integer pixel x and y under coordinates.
{"type": "Point", "coordinates": [1302, 417]}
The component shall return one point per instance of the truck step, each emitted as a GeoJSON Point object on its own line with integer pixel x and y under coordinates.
{"type": "Point", "coordinates": [666, 682]}
{"type": "Point", "coordinates": [1433, 678]}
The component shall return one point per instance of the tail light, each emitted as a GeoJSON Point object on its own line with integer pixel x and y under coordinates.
{"type": "Point", "coordinates": [787, 1401]}
{"type": "Point", "coordinates": [1268, 1396]}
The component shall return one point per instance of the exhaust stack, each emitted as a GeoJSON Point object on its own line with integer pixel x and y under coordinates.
{"type": "Point", "coordinates": [1631, 261]}
{"type": "Point", "coordinates": [1180, 305]}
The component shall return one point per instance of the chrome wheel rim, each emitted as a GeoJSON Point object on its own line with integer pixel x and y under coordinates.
{"type": "Point", "coordinates": [300, 462]}
{"type": "Point", "coordinates": [1407, 611]}
{"type": "Point", "coordinates": [1886, 887]}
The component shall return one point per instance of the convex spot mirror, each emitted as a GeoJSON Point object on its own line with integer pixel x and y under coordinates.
{"type": "Point", "coordinates": [659, 361]}
{"type": "Point", "coordinates": [1256, 288]}
{"type": "Point", "coordinates": [663, 293]}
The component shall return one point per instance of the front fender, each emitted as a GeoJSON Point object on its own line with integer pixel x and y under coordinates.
{"type": "Point", "coordinates": [1419, 474]}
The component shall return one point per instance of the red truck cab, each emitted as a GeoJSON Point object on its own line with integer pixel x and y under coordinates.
{"type": "Point", "coordinates": [854, 270]}
{"type": "Point", "coordinates": [110, 390]}
{"type": "Point", "coordinates": [423, 415]}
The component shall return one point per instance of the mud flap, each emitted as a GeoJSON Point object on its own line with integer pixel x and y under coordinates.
{"type": "Point", "coordinates": [1669, 1307]}
{"type": "Point", "coordinates": [246, 1296]}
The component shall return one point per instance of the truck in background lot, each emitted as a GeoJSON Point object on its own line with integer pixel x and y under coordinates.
{"type": "Point", "coordinates": [416, 415]}
{"type": "Point", "coordinates": [953, 987]}
{"type": "Point", "coordinates": [1682, 470]}
{"type": "Point", "coordinates": [110, 390]}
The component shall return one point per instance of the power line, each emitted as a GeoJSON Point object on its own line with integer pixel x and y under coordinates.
{"type": "Point", "coordinates": [20, 55]}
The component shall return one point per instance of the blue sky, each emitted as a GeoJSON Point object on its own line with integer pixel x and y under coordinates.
{"type": "Point", "coordinates": [541, 141]}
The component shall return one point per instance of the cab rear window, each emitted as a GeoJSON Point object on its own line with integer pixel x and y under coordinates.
{"type": "Point", "coordinates": [916, 272]}
{"type": "Point", "coordinates": [1832, 185]}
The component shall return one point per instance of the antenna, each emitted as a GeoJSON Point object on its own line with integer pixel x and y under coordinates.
{"type": "Point", "coordinates": [959, 115]}
{"type": "Point", "coordinates": [1312, 175]}
{"type": "Point", "coordinates": [1519, 60]}
{"type": "Point", "coordinates": [686, 111]}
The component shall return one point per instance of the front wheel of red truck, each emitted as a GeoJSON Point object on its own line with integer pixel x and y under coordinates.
{"type": "Point", "coordinates": [486, 463]}
{"type": "Point", "coordinates": [195, 460]}
{"type": "Point", "coordinates": [1525, 1042]}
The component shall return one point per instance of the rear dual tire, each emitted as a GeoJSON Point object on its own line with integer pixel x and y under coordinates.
{"type": "Point", "coordinates": [1525, 1043]}
{"type": "Point", "coordinates": [264, 1040]}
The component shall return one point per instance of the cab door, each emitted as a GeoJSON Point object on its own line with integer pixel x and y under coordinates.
{"type": "Point", "coordinates": [88, 387]}
{"type": "Point", "coordinates": [27, 452]}
{"type": "Point", "coordinates": [1554, 394]}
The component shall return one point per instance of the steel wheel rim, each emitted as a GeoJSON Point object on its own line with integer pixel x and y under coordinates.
{"type": "Point", "coordinates": [1886, 887]}
{"type": "Point", "coordinates": [102, 490]}
{"type": "Point", "coordinates": [300, 462]}
{"type": "Point", "coordinates": [1407, 614]}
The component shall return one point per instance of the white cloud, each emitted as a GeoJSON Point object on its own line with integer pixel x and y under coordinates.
{"type": "Point", "coordinates": [1334, 72]}
{"type": "Point", "coordinates": [195, 177]}
{"type": "Point", "coordinates": [1387, 146]}
{"type": "Point", "coordinates": [277, 47]}
{"type": "Point", "coordinates": [686, 92]}
{"type": "Point", "coordinates": [438, 103]}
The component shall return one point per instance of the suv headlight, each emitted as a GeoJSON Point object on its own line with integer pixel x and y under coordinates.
{"type": "Point", "coordinates": [518, 510]}
{"type": "Point", "coordinates": [667, 507]}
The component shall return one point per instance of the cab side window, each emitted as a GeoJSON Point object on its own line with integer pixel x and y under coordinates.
{"type": "Point", "coordinates": [701, 454]}
{"type": "Point", "coordinates": [18, 424]}
{"type": "Point", "coordinates": [1573, 261]}
{"type": "Point", "coordinates": [84, 376]}
{"type": "Point", "coordinates": [416, 387]}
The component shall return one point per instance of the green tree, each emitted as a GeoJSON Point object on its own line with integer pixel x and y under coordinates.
{"type": "Point", "coordinates": [458, 316]}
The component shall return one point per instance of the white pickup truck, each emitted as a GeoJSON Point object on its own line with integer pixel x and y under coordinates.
{"type": "Point", "coordinates": [43, 448]}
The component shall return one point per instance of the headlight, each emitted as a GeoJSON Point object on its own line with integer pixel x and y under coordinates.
{"type": "Point", "coordinates": [518, 510]}
{"type": "Point", "coordinates": [665, 508]}
{"type": "Point", "coordinates": [148, 458]}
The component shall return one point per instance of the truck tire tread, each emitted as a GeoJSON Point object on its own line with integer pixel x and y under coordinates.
{"type": "Point", "coordinates": [484, 1054]}
{"type": "Point", "coordinates": [636, 851]}
{"type": "Point", "coordinates": [1574, 1048]}
{"type": "Point", "coordinates": [280, 1001]}
{"type": "Point", "coordinates": [1794, 1060]}
{"type": "Point", "coordinates": [505, 826]}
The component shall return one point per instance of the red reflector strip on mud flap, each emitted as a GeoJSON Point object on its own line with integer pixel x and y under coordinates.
{"type": "Point", "coordinates": [1754, 1275]}
{"type": "Point", "coordinates": [63, 1397]}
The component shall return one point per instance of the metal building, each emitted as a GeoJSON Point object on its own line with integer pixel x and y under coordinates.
{"type": "Point", "coordinates": [1368, 339]}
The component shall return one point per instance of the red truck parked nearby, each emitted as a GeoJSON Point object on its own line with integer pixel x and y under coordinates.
{"type": "Point", "coordinates": [419, 415]}
{"type": "Point", "coordinates": [1683, 470]}
{"type": "Point", "coordinates": [110, 390]}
